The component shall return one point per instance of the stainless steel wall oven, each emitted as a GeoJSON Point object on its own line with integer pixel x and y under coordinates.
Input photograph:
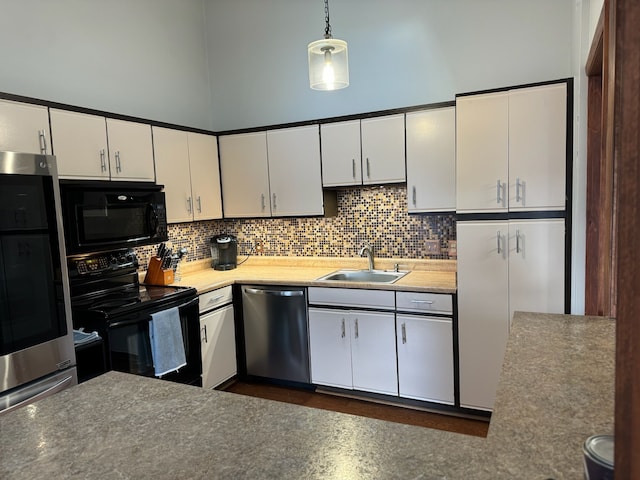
{"type": "Point", "coordinates": [36, 340]}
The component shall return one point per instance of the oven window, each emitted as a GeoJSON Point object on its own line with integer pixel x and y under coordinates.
{"type": "Point", "coordinates": [113, 222]}
{"type": "Point", "coordinates": [31, 294]}
{"type": "Point", "coordinates": [130, 349]}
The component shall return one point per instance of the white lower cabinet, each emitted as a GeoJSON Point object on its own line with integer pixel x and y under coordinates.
{"type": "Point", "coordinates": [503, 267]}
{"type": "Point", "coordinates": [353, 349]}
{"type": "Point", "coordinates": [217, 334]}
{"type": "Point", "coordinates": [425, 358]}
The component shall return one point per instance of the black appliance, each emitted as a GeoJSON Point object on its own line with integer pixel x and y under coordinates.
{"type": "Point", "coordinates": [224, 252]}
{"type": "Point", "coordinates": [106, 297]}
{"type": "Point", "coordinates": [102, 216]}
{"type": "Point", "coordinates": [37, 357]}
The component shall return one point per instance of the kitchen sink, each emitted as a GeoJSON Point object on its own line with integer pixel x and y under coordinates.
{"type": "Point", "coordinates": [366, 276]}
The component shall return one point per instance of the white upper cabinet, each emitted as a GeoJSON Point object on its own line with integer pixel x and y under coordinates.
{"type": "Point", "coordinates": [511, 150]}
{"type": "Point", "coordinates": [273, 173]}
{"type": "Point", "coordinates": [205, 176]}
{"type": "Point", "coordinates": [341, 154]}
{"type": "Point", "coordinates": [24, 128]}
{"type": "Point", "coordinates": [130, 150]}
{"type": "Point", "coordinates": [383, 150]}
{"type": "Point", "coordinates": [294, 171]}
{"type": "Point", "coordinates": [80, 145]}
{"type": "Point", "coordinates": [245, 175]}
{"type": "Point", "coordinates": [187, 166]}
{"type": "Point", "coordinates": [537, 148]}
{"type": "Point", "coordinates": [93, 147]}
{"type": "Point", "coordinates": [431, 160]}
{"type": "Point", "coordinates": [482, 153]}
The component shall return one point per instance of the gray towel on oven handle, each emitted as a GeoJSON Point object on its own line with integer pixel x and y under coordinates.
{"type": "Point", "coordinates": [167, 346]}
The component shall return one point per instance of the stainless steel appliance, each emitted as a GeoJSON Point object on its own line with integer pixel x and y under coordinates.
{"type": "Point", "coordinates": [102, 216]}
{"type": "Point", "coordinates": [37, 356]}
{"type": "Point", "coordinates": [224, 252]}
{"type": "Point", "coordinates": [275, 333]}
{"type": "Point", "coordinates": [107, 297]}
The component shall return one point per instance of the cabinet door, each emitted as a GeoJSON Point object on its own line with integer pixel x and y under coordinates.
{"type": "Point", "coordinates": [431, 160]}
{"type": "Point", "coordinates": [330, 347]}
{"type": "Point", "coordinates": [341, 155]}
{"type": "Point", "coordinates": [218, 347]}
{"type": "Point", "coordinates": [294, 171]}
{"type": "Point", "coordinates": [425, 358]}
{"type": "Point", "coordinates": [24, 128]}
{"type": "Point", "coordinates": [383, 159]}
{"type": "Point", "coordinates": [536, 266]}
{"type": "Point", "coordinates": [205, 176]}
{"type": "Point", "coordinates": [245, 175]}
{"type": "Point", "coordinates": [130, 150]}
{"type": "Point", "coordinates": [482, 153]}
{"type": "Point", "coordinates": [80, 145]}
{"type": "Point", "coordinates": [537, 148]}
{"type": "Point", "coordinates": [373, 352]}
{"type": "Point", "coordinates": [172, 170]}
{"type": "Point", "coordinates": [483, 309]}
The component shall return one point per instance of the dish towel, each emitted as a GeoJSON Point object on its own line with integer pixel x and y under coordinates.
{"type": "Point", "coordinates": [167, 347]}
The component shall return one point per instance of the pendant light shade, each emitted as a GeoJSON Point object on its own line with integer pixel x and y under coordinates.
{"type": "Point", "coordinates": [328, 60]}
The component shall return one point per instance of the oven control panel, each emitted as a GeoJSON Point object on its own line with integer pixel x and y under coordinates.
{"type": "Point", "coordinates": [102, 262]}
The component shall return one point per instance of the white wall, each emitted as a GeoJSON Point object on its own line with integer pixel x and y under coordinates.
{"type": "Point", "coordinates": [401, 52]}
{"type": "Point", "coordinates": [144, 58]}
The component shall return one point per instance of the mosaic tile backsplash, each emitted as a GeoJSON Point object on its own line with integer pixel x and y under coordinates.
{"type": "Point", "coordinates": [375, 215]}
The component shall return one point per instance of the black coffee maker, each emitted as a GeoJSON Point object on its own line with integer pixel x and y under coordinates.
{"type": "Point", "coordinates": [224, 252]}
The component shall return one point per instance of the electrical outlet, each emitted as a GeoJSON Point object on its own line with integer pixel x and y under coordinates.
{"type": "Point", "coordinates": [432, 247]}
{"type": "Point", "coordinates": [259, 247]}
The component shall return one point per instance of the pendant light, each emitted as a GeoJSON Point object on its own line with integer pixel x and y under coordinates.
{"type": "Point", "coordinates": [328, 60]}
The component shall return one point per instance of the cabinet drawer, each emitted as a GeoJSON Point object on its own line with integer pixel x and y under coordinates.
{"type": "Point", "coordinates": [424, 302]}
{"type": "Point", "coordinates": [347, 297]}
{"type": "Point", "coordinates": [215, 298]}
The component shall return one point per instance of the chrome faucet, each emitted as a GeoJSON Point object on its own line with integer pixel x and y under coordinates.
{"type": "Point", "coordinates": [368, 251]}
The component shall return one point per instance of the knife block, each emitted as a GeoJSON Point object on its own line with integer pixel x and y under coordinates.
{"type": "Point", "coordinates": [156, 275]}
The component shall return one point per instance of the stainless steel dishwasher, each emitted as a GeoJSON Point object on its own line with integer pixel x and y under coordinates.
{"type": "Point", "coordinates": [275, 332]}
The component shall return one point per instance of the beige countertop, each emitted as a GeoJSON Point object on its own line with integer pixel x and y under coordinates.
{"type": "Point", "coordinates": [438, 276]}
{"type": "Point", "coordinates": [556, 389]}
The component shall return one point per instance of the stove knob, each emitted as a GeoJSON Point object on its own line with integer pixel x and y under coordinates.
{"type": "Point", "coordinates": [114, 260]}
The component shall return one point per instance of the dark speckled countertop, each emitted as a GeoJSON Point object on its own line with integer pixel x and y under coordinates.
{"type": "Point", "coordinates": [556, 389]}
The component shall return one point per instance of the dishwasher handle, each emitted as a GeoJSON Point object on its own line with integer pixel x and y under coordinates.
{"type": "Point", "coordinates": [276, 293]}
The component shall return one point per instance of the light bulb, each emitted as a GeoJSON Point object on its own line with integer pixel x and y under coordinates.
{"type": "Point", "coordinates": [328, 73]}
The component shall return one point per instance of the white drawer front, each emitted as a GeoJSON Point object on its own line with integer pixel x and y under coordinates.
{"type": "Point", "coordinates": [348, 297]}
{"type": "Point", "coordinates": [215, 298]}
{"type": "Point", "coordinates": [424, 302]}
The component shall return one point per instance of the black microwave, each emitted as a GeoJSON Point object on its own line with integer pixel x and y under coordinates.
{"type": "Point", "coordinates": [101, 215]}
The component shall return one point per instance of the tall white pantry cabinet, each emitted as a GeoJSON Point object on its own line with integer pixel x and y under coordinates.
{"type": "Point", "coordinates": [511, 158]}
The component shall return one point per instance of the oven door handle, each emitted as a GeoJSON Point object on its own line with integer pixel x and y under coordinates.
{"type": "Point", "coordinates": [124, 323]}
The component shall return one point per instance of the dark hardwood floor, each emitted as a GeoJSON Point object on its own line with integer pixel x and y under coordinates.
{"type": "Point", "coordinates": [360, 407]}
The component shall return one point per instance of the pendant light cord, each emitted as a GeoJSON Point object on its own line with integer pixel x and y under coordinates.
{"type": "Point", "coordinates": [327, 29]}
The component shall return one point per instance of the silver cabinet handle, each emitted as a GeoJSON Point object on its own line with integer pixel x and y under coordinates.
{"type": "Point", "coordinates": [356, 330]}
{"type": "Point", "coordinates": [498, 192]}
{"type": "Point", "coordinates": [262, 201]}
{"type": "Point", "coordinates": [43, 142]}
{"type": "Point", "coordinates": [498, 240]}
{"type": "Point", "coordinates": [215, 299]}
{"type": "Point", "coordinates": [199, 204]}
{"type": "Point", "coordinates": [353, 163]}
{"type": "Point", "coordinates": [518, 190]}
{"type": "Point", "coordinates": [368, 169]}
{"type": "Point", "coordinates": [344, 329]}
{"type": "Point", "coordinates": [277, 293]}
{"type": "Point", "coordinates": [188, 204]}
{"type": "Point", "coordinates": [414, 200]}
{"type": "Point", "coordinates": [118, 163]}
{"type": "Point", "coordinates": [404, 333]}
{"type": "Point", "coordinates": [103, 160]}
{"type": "Point", "coordinates": [275, 204]}
{"type": "Point", "coordinates": [428, 302]}
{"type": "Point", "coordinates": [517, 241]}
{"type": "Point", "coordinates": [204, 330]}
